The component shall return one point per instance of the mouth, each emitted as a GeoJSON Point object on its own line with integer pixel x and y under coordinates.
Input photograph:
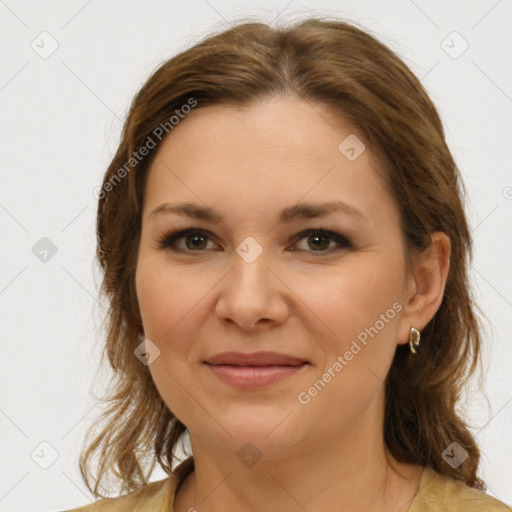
{"type": "Point", "coordinates": [255, 359]}
{"type": "Point", "coordinates": [253, 371]}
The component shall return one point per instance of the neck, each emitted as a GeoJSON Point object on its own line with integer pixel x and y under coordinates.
{"type": "Point", "coordinates": [350, 471]}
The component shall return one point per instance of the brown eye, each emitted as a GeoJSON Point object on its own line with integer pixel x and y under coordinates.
{"type": "Point", "coordinates": [194, 240]}
{"type": "Point", "coordinates": [321, 240]}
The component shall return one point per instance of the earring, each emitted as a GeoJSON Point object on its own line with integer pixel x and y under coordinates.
{"type": "Point", "coordinates": [414, 339]}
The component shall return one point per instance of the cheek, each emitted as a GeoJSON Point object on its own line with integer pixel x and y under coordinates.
{"type": "Point", "coordinates": [362, 308]}
{"type": "Point", "coordinates": [155, 297]}
{"type": "Point", "coordinates": [174, 305]}
{"type": "Point", "coordinates": [166, 299]}
{"type": "Point", "coordinates": [166, 304]}
{"type": "Point", "coordinates": [359, 306]}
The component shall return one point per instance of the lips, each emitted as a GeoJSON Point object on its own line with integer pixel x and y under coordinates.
{"type": "Point", "coordinates": [255, 359]}
{"type": "Point", "coordinates": [255, 371]}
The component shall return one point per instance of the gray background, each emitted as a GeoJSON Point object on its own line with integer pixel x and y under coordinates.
{"type": "Point", "coordinates": [60, 121]}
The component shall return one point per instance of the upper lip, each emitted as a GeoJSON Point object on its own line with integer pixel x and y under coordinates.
{"type": "Point", "coordinates": [255, 359]}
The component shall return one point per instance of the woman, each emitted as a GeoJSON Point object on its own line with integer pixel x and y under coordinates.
{"type": "Point", "coordinates": [285, 252]}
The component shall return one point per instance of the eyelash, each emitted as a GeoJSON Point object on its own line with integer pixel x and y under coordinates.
{"type": "Point", "coordinates": [168, 240]}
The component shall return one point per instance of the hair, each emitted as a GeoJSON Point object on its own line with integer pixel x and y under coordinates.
{"type": "Point", "coordinates": [334, 64]}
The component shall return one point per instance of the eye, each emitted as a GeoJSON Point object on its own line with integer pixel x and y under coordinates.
{"type": "Point", "coordinates": [320, 239]}
{"type": "Point", "coordinates": [196, 240]}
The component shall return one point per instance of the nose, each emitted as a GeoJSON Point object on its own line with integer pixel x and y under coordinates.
{"type": "Point", "coordinates": [252, 295]}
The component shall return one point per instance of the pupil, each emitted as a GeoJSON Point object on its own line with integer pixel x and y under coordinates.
{"type": "Point", "coordinates": [196, 238]}
{"type": "Point", "coordinates": [317, 237]}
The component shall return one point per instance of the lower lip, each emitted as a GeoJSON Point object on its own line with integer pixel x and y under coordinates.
{"type": "Point", "coordinates": [251, 377]}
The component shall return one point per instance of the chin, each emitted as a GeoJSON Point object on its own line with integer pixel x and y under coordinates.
{"type": "Point", "coordinates": [271, 432]}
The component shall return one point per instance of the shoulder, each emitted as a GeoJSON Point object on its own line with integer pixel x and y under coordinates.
{"type": "Point", "coordinates": [438, 492]}
{"type": "Point", "coordinates": [152, 497]}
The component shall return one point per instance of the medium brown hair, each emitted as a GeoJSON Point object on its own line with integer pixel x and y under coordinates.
{"type": "Point", "coordinates": [339, 66]}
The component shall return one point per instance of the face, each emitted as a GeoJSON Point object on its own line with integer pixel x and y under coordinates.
{"type": "Point", "coordinates": [265, 274]}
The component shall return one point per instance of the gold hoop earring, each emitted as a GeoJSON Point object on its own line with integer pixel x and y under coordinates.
{"type": "Point", "coordinates": [414, 339]}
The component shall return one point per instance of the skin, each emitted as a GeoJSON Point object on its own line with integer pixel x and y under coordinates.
{"type": "Point", "coordinates": [247, 164]}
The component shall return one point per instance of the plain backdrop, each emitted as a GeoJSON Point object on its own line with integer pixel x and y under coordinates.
{"type": "Point", "coordinates": [68, 72]}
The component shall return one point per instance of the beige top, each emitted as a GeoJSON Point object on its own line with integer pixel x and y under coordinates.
{"type": "Point", "coordinates": [436, 493]}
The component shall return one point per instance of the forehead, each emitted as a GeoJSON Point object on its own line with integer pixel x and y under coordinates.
{"type": "Point", "coordinates": [270, 128]}
{"type": "Point", "coordinates": [274, 152]}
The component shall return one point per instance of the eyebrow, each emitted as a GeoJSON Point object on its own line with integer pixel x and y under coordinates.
{"type": "Point", "coordinates": [299, 211]}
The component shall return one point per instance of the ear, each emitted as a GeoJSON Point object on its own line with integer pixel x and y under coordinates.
{"type": "Point", "coordinates": [425, 286]}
